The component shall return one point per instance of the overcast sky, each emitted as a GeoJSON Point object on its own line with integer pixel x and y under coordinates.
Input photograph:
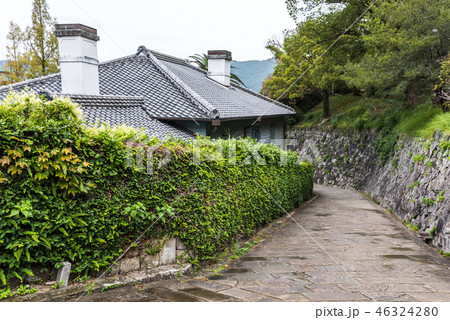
{"type": "Point", "coordinates": [177, 27]}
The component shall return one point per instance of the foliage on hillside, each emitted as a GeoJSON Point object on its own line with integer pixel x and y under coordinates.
{"type": "Point", "coordinates": [380, 115]}
{"type": "Point", "coordinates": [392, 49]}
{"type": "Point", "coordinates": [67, 193]}
{"type": "Point", "coordinates": [442, 88]}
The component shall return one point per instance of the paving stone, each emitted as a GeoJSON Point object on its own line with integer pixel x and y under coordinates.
{"type": "Point", "coordinates": [237, 270]}
{"type": "Point", "coordinates": [431, 296]}
{"type": "Point", "coordinates": [329, 287]}
{"type": "Point", "coordinates": [334, 296]}
{"type": "Point", "coordinates": [388, 262]}
{"type": "Point", "coordinates": [396, 297]}
{"type": "Point", "coordinates": [253, 259]}
{"type": "Point", "coordinates": [282, 282]}
{"type": "Point", "coordinates": [229, 283]}
{"type": "Point", "coordinates": [275, 289]}
{"type": "Point", "coordinates": [269, 299]}
{"type": "Point", "coordinates": [246, 276]}
{"type": "Point", "coordinates": [170, 295]}
{"type": "Point", "coordinates": [209, 295]}
{"type": "Point", "coordinates": [331, 279]}
{"type": "Point", "coordinates": [219, 277]}
{"type": "Point", "coordinates": [291, 297]}
{"type": "Point", "coordinates": [244, 295]}
{"type": "Point", "coordinates": [290, 275]}
{"type": "Point", "coordinates": [209, 285]}
{"type": "Point", "coordinates": [439, 287]}
{"type": "Point", "coordinates": [170, 284]}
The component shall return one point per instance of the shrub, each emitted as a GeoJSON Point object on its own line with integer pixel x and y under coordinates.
{"type": "Point", "coordinates": [385, 146]}
{"type": "Point", "coordinates": [67, 193]}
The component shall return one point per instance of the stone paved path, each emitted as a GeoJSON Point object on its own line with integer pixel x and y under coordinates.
{"type": "Point", "coordinates": [369, 256]}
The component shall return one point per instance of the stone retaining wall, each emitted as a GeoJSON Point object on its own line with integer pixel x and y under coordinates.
{"type": "Point", "coordinates": [149, 254]}
{"type": "Point", "coordinates": [413, 184]}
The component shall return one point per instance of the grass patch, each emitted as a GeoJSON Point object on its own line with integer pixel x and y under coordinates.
{"type": "Point", "coordinates": [243, 250]}
{"type": "Point", "coordinates": [444, 254]}
{"type": "Point", "coordinates": [412, 227]}
{"type": "Point", "coordinates": [110, 287]}
{"type": "Point", "coordinates": [361, 113]}
{"type": "Point", "coordinates": [23, 290]}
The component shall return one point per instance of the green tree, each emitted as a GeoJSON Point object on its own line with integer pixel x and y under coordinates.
{"type": "Point", "coordinates": [312, 58]}
{"type": "Point", "coordinates": [442, 88]}
{"type": "Point", "coordinates": [201, 60]}
{"type": "Point", "coordinates": [315, 8]}
{"type": "Point", "coordinates": [41, 42]}
{"type": "Point", "coordinates": [16, 57]}
{"type": "Point", "coordinates": [404, 41]}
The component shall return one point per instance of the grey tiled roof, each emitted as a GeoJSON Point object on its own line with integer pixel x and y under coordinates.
{"type": "Point", "coordinates": [168, 88]}
{"type": "Point", "coordinates": [51, 83]}
{"type": "Point", "coordinates": [88, 101]}
{"type": "Point", "coordinates": [128, 110]}
{"type": "Point", "coordinates": [137, 75]}
{"type": "Point", "coordinates": [233, 102]}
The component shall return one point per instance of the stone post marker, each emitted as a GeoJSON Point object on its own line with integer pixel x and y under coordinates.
{"type": "Point", "coordinates": [63, 274]}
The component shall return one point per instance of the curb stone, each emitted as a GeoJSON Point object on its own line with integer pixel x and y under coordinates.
{"type": "Point", "coordinates": [135, 278]}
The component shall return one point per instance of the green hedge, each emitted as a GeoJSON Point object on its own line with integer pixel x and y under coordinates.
{"type": "Point", "coordinates": [67, 193]}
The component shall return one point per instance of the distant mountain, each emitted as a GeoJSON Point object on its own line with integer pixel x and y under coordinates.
{"type": "Point", "coordinates": [253, 72]}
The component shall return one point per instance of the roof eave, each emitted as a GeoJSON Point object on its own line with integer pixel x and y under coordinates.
{"type": "Point", "coordinates": [282, 115]}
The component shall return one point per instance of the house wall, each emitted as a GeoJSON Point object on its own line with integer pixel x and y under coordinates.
{"type": "Point", "coordinates": [270, 130]}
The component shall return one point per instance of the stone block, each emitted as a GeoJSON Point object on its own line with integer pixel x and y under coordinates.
{"type": "Point", "coordinates": [181, 256]}
{"type": "Point", "coordinates": [180, 245]}
{"type": "Point", "coordinates": [130, 265]}
{"type": "Point", "coordinates": [447, 228]}
{"type": "Point", "coordinates": [150, 245]}
{"type": "Point", "coordinates": [150, 261]}
{"type": "Point", "coordinates": [132, 253]}
{"type": "Point", "coordinates": [62, 277]}
{"type": "Point", "coordinates": [169, 252]}
{"type": "Point", "coordinates": [115, 269]}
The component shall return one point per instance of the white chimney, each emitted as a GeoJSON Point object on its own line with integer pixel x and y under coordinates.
{"type": "Point", "coordinates": [219, 66]}
{"type": "Point", "coordinates": [78, 58]}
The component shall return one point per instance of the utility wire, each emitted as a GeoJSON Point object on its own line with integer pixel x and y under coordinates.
{"type": "Point", "coordinates": [82, 9]}
{"type": "Point", "coordinates": [320, 57]}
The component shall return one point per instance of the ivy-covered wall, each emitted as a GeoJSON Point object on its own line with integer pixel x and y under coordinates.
{"type": "Point", "coordinates": [410, 177]}
{"type": "Point", "coordinates": [68, 193]}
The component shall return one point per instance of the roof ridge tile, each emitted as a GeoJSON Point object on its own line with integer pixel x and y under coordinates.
{"type": "Point", "coordinates": [117, 59]}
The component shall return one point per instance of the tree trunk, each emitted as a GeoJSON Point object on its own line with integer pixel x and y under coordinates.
{"type": "Point", "coordinates": [326, 104]}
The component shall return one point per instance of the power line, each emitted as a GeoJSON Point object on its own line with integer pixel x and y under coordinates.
{"type": "Point", "coordinates": [82, 9]}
